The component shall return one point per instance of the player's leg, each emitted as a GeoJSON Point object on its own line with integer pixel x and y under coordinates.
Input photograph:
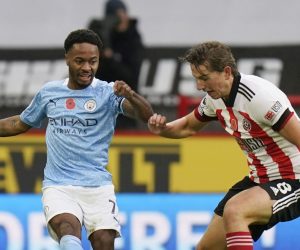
{"type": "Point", "coordinates": [103, 239]}
{"type": "Point", "coordinates": [251, 206]}
{"type": "Point", "coordinates": [62, 215]}
{"type": "Point", "coordinates": [101, 216]}
{"type": "Point", "coordinates": [214, 237]}
{"type": "Point", "coordinates": [68, 230]}
{"type": "Point", "coordinates": [260, 208]}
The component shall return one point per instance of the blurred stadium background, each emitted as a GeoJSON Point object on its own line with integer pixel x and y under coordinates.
{"type": "Point", "coordinates": [167, 189]}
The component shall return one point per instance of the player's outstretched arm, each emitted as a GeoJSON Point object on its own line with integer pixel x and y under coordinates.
{"type": "Point", "coordinates": [180, 128]}
{"type": "Point", "coordinates": [135, 105]}
{"type": "Point", "coordinates": [12, 126]}
{"type": "Point", "coordinates": [291, 131]}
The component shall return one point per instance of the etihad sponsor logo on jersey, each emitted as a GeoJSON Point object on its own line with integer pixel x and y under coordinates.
{"type": "Point", "coordinates": [70, 131]}
{"type": "Point", "coordinates": [71, 126]}
{"type": "Point", "coordinates": [72, 122]}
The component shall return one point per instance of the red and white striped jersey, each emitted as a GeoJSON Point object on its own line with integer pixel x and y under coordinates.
{"type": "Point", "coordinates": [254, 113]}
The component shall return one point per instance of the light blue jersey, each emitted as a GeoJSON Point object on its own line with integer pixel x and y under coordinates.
{"type": "Point", "coordinates": [80, 128]}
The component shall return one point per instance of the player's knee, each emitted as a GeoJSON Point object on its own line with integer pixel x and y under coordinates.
{"type": "Point", "coordinates": [66, 228]}
{"type": "Point", "coordinates": [65, 225]}
{"type": "Point", "coordinates": [103, 239]}
{"type": "Point", "coordinates": [62, 228]}
{"type": "Point", "coordinates": [202, 246]}
{"type": "Point", "coordinates": [232, 211]}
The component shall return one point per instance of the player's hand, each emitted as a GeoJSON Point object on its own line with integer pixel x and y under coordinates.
{"type": "Point", "coordinates": [157, 123]}
{"type": "Point", "coordinates": [121, 88]}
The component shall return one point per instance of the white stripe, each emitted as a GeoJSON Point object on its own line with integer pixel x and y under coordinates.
{"type": "Point", "coordinates": [287, 198]}
{"type": "Point", "coordinates": [239, 236]}
{"type": "Point", "coordinates": [286, 201]}
{"type": "Point", "coordinates": [240, 244]}
{"type": "Point", "coordinates": [239, 240]}
{"type": "Point", "coordinates": [283, 207]}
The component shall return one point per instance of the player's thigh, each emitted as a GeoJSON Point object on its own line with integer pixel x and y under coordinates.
{"type": "Point", "coordinates": [100, 210]}
{"type": "Point", "coordinates": [253, 205]}
{"type": "Point", "coordinates": [62, 212]}
{"type": "Point", "coordinates": [214, 237]}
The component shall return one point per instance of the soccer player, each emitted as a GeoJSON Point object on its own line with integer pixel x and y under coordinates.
{"type": "Point", "coordinates": [81, 112]}
{"type": "Point", "coordinates": [266, 127]}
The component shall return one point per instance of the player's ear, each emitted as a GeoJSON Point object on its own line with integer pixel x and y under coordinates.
{"type": "Point", "coordinates": [67, 59]}
{"type": "Point", "coordinates": [227, 71]}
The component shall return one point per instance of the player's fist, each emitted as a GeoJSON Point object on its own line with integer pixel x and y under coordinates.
{"type": "Point", "coordinates": [121, 88]}
{"type": "Point", "coordinates": [157, 123]}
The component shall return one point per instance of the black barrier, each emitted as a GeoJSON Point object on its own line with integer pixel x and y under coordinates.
{"type": "Point", "coordinates": [163, 78]}
{"type": "Point", "coordinates": [278, 63]}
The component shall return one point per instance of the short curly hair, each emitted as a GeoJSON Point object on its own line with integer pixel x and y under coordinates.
{"type": "Point", "coordinates": [82, 36]}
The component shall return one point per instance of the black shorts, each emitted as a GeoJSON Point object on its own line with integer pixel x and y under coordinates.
{"type": "Point", "coordinates": [286, 192]}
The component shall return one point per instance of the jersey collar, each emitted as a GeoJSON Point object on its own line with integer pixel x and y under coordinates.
{"type": "Point", "coordinates": [233, 92]}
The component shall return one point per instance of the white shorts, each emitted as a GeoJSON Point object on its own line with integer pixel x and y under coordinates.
{"type": "Point", "coordinates": [95, 208]}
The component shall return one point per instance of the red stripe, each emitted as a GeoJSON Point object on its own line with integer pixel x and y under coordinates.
{"type": "Point", "coordinates": [221, 118]}
{"type": "Point", "coordinates": [239, 241]}
{"type": "Point", "coordinates": [197, 115]}
{"type": "Point", "coordinates": [235, 120]}
{"type": "Point", "coordinates": [238, 233]}
{"type": "Point", "coordinates": [260, 168]}
{"type": "Point", "coordinates": [273, 150]}
{"type": "Point", "coordinates": [232, 118]}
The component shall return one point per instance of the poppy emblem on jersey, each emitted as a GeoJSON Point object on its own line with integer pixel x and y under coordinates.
{"type": "Point", "coordinates": [233, 124]}
{"type": "Point", "coordinates": [90, 105]}
{"type": "Point", "coordinates": [269, 115]}
{"type": "Point", "coordinates": [70, 103]}
{"type": "Point", "coordinates": [246, 125]}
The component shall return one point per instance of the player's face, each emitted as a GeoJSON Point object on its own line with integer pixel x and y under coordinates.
{"type": "Point", "coordinates": [82, 60]}
{"type": "Point", "coordinates": [216, 84]}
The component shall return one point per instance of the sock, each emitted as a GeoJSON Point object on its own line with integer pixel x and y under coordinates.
{"type": "Point", "coordinates": [239, 241]}
{"type": "Point", "coordinates": [70, 242]}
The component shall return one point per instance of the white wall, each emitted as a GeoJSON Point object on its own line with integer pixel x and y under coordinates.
{"type": "Point", "coordinates": [44, 23]}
